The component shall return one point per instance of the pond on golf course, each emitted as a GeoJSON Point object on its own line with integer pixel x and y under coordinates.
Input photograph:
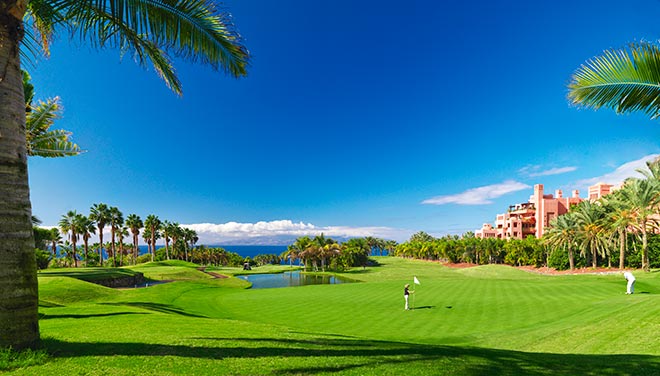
{"type": "Point", "coordinates": [289, 279]}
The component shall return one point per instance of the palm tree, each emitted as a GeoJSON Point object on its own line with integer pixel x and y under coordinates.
{"type": "Point", "coordinates": [291, 253]}
{"type": "Point", "coordinates": [134, 223]}
{"type": "Point", "coordinates": [189, 236]}
{"type": "Point", "coordinates": [301, 245]}
{"type": "Point", "coordinates": [87, 228]}
{"type": "Point", "coordinates": [562, 234]}
{"type": "Point", "coordinates": [625, 79]}
{"type": "Point", "coordinates": [100, 213]}
{"type": "Point", "coordinates": [41, 140]}
{"type": "Point", "coordinates": [372, 242]}
{"type": "Point", "coordinates": [643, 197]}
{"type": "Point", "coordinates": [192, 30]}
{"type": "Point", "coordinates": [55, 239]}
{"type": "Point", "coordinates": [70, 223]}
{"type": "Point", "coordinates": [153, 224]}
{"type": "Point", "coordinates": [359, 250]}
{"type": "Point", "coordinates": [169, 232]}
{"type": "Point", "coordinates": [116, 221]}
{"type": "Point", "coordinates": [122, 231]}
{"type": "Point", "coordinates": [620, 218]}
{"type": "Point", "coordinates": [390, 246]}
{"type": "Point", "coordinates": [591, 232]}
{"type": "Point", "coordinates": [176, 232]}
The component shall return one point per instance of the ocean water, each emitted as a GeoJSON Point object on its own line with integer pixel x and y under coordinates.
{"type": "Point", "coordinates": [243, 250]}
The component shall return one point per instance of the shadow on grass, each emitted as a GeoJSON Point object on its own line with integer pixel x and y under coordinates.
{"type": "Point", "coordinates": [43, 316]}
{"type": "Point", "coordinates": [156, 307]}
{"type": "Point", "coordinates": [424, 307]}
{"type": "Point", "coordinates": [335, 355]}
{"type": "Point", "coordinates": [47, 304]}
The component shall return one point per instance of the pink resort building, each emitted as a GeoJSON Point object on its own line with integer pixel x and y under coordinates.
{"type": "Point", "coordinates": [532, 217]}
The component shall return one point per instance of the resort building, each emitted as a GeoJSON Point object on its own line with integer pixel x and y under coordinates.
{"type": "Point", "coordinates": [532, 217]}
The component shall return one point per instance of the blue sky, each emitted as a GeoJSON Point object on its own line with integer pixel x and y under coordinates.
{"type": "Point", "coordinates": [357, 118]}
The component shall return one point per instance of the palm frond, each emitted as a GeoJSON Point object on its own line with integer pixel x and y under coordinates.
{"type": "Point", "coordinates": [55, 144]}
{"type": "Point", "coordinates": [42, 116]}
{"type": "Point", "coordinates": [43, 142]}
{"type": "Point", "coordinates": [191, 29]}
{"type": "Point", "coordinates": [625, 80]}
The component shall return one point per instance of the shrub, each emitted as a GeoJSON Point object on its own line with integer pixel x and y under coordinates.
{"type": "Point", "coordinates": [43, 258]}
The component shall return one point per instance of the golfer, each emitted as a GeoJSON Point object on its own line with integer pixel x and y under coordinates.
{"type": "Point", "coordinates": [407, 293]}
{"type": "Point", "coordinates": [631, 282]}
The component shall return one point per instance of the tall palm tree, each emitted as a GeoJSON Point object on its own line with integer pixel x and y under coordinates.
{"type": "Point", "coordinates": [55, 239]}
{"type": "Point", "coordinates": [134, 223]}
{"type": "Point", "coordinates": [169, 229]}
{"type": "Point", "coordinates": [643, 197]}
{"type": "Point", "coordinates": [87, 228]}
{"type": "Point", "coordinates": [100, 213]}
{"type": "Point", "coordinates": [620, 218]}
{"type": "Point", "coordinates": [301, 245]}
{"type": "Point", "coordinates": [122, 232]}
{"type": "Point", "coordinates": [562, 234]}
{"type": "Point", "coordinates": [291, 253]}
{"type": "Point", "coordinates": [176, 232]}
{"type": "Point", "coordinates": [190, 237]}
{"type": "Point", "coordinates": [625, 79]}
{"type": "Point", "coordinates": [153, 223]}
{"type": "Point", "coordinates": [194, 30]}
{"type": "Point", "coordinates": [70, 223]}
{"type": "Point", "coordinates": [591, 232]}
{"type": "Point", "coordinates": [116, 221]}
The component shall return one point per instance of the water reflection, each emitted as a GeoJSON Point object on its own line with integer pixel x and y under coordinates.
{"type": "Point", "coordinates": [288, 279]}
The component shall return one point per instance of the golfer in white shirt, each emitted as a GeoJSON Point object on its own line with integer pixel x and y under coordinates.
{"type": "Point", "coordinates": [631, 282]}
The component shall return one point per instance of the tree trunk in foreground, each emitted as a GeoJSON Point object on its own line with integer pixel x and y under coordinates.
{"type": "Point", "coordinates": [19, 323]}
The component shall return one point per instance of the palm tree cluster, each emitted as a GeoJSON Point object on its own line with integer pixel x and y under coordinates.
{"type": "Point", "coordinates": [595, 229]}
{"type": "Point", "coordinates": [77, 226]}
{"type": "Point", "coordinates": [453, 248]}
{"type": "Point", "coordinates": [216, 256]}
{"type": "Point", "coordinates": [328, 253]}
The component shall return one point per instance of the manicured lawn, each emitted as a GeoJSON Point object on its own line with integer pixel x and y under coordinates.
{"type": "Point", "coordinates": [493, 320]}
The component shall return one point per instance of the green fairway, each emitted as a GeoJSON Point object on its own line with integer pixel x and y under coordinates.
{"type": "Point", "coordinates": [483, 320]}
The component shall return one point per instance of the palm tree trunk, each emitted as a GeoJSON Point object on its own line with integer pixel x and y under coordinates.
{"type": "Point", "coordinates": [86, 251]}
{"type": "Point", "coordinates": [645, 251]}
{"type": "Point", "coordinates": [135, 248]}
{"type": "Point", "coordinates": [101, 245]}
{"type": "Point", "coordinates": [622, 248]}
{"type": "Point", "coordinates": [73, 243]}
{"type": "Point", "coordinates": [153, 243]}
{"type": "Point", "coordinates": [18, 269]}
{"type": "Point", "coordinates": [594, 262]}
{"type": "Point", "coordinates": [571, 259]}
{"type": "Point", "coordinates": [112, 245]}
{"type": "Point", "coordinates": [167, 247]}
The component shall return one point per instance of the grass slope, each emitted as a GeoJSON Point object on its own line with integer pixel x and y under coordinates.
{"type": "Point", "coordinates": [492, 320]}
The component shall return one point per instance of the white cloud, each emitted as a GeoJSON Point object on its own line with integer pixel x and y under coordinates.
{"type": "Point", "coordinates": [621, 173]}
{"type": "Point", "coordinates": [554, 171]}
{"type": "Point", "coordinates": [535, 171]}
{"type": "Point", "coordinates": [479, 195]}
